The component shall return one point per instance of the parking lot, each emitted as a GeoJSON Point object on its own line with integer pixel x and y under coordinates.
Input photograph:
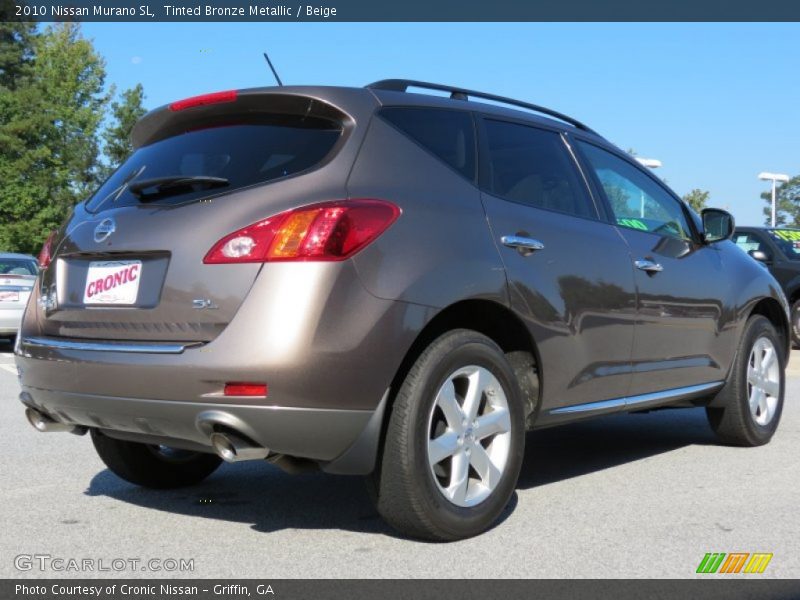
{"type": "Point", "coordinates": [627, 496]}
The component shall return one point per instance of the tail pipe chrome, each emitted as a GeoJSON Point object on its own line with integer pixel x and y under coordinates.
{"type": "Point", "coordinates": [41, 422]}
{"type": "Point", "coordinates": [233, 448]}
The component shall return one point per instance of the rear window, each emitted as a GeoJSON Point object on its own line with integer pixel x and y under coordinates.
{"type": "Point", "coordinates": [242, 153]}
{"type": "Point", "coordinates": [449, 134]}
{"type": "Point", "coordinates": [17, 266]}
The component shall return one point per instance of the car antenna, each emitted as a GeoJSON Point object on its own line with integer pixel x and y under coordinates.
{"type": "Point", "coordinates": [274, 72]}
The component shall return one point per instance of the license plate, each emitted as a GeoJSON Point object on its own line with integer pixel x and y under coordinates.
{"type": "Point", "coordinates": [112, 282]}
{"type": "Point", "coordinates": [9, 296]}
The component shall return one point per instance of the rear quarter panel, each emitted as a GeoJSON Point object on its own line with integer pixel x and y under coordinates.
{"type": "Point", "coordinates": [440, 250]}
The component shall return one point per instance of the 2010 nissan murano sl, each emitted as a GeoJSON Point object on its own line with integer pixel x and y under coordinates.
{"type": "Point", "coordinates": [394, 284]}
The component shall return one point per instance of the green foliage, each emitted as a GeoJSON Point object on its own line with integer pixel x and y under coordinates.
{"type": "Point", "coordinates": [53, 102]}
{"type": "Point", "coordinates": [787, 202]}
{"type": "Point", "coordinates": [125, 112]}
{"type": "Point", "coordinates": [697, 199]}
{"type": "Point", "coordinates": [15, 51]}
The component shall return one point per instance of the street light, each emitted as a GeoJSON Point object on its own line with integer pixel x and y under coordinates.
{"type": "Point", "coordinates": [773, 177]}
{"type": "Point", "coordinates": [650, 163]}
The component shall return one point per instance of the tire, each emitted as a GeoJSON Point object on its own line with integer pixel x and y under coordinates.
{"type": "Point", "coordinates": [734, 421]}
{"type": "Point", "coordinates": [154, 466]}
{"type": "Point", "coordinates": [796, 324]}
{"type": "Point", "coordinates": [422, 501]}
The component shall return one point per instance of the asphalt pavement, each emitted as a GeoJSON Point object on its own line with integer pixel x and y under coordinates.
{"type": "Point", "coordinates": [643, 495]}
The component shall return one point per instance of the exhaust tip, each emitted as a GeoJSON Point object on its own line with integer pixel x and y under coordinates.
{"type": "Point", "coordinates": [223, 447]}
{"type": "Point", "coordinates": [36, 419]}
{"type": "Point", "coordinates": [41, 422]}
{"type": "Point", "coordinates": [232, 448]}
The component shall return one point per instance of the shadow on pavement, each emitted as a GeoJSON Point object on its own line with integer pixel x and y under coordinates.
{"type": "Point", "coordinates": [560, 453]}
{"type": "Point", "coordinates": [271, 500]}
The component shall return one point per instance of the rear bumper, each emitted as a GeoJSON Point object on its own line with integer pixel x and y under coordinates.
{"type": "Point", "coordinates": [311, 332]}
{"type": "Point", "coordinates": [10, 319]}
{"type": "Point", "coordinates": [322, 435]}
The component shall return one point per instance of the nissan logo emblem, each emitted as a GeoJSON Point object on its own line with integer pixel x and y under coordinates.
{"type": "Point", "coordinates": [104, 229]}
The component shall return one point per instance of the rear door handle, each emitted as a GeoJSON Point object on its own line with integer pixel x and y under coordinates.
{"type": "Point", "coordinates": [648, 265]}
{"type": "Point", "coordinates": [521, 243]}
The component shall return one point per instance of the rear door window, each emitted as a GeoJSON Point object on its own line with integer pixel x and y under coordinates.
{"type": "Point", "coordinates": [531, 166]}
{"type": "Point", "coordinates": [243, 153]}
{"type": "Point", "coordinates": [448, 134]}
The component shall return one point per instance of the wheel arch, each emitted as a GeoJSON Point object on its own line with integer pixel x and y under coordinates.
{"type": "Point", "coordinates": [495, 321]}
{"type": "Point", "coordinates": [775, 312]}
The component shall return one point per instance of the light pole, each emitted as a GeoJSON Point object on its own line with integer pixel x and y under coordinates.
{"type": "Point", "coordinates": [773, 177]}
{"type": "Point", "coordinates": [650, 163]}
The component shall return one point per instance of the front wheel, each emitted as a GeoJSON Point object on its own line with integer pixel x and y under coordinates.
{"type": "Point", "coordinates": [152, 466]}
{"type": "Point", "coordinates": [796, 324]}
{"type": "Point", "coordinates": [752, 399]}
{"type": "Point", "coordinates": [454, 442]}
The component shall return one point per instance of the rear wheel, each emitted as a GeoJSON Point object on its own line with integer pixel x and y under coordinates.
{"type": "Point", "coordinates": [454, 443]}
{"type": "Point", "coordinates": [752, 399]}
{"type": "Point", "coordinates": [151, 466]}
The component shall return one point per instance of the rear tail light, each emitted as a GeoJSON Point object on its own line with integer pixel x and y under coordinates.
{"type": "Point", "coordinates": [204, 100]}
{"type": "Point", "coordinates": [45, 255]}
{"type": "Point", "coordinates": [329, 231]}
{"type": "Point", "coordinates": [246, 389]}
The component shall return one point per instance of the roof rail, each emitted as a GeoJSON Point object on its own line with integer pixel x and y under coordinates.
{"type": "Point", "coordinates": [456, 93]}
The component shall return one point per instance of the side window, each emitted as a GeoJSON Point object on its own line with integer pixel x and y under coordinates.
{"type": "Point", "coordinates": [748, 242]}
{"type": "Point", "coordinates": [449, 134]}
{"type": "Point", "coordinates": [531, 166]}
{"type": "Point", "coordinates": [638, 202]}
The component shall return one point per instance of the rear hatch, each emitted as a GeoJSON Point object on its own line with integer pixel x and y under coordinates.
{"type": "Point", "coordinates": [128, 264]}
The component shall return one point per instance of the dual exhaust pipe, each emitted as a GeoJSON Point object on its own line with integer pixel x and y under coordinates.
{"type": "Point", "coordinates": [228, 446]}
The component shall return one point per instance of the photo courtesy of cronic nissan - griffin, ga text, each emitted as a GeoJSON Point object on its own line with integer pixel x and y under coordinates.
{"type": "Point", "coordinates": [389, 282]}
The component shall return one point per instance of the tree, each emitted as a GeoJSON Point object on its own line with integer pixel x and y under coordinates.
{"type": "Point", "coordinates": [49, 133]}
{"type": "Point", "coordinates": [697, 199]}
{"type": "Point", "coordinates": [16, 52]}
{"type": "Point", "coordinates": [787, 203]}
{"type": "Point", "coordinates": [125, 112]}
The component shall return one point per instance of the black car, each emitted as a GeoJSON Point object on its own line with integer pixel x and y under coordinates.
{"type": "Point", "coordinates": [779, 250]}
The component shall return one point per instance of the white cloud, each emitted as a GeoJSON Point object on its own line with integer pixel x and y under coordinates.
{"type": "Point", "coordinates": [136, 60]}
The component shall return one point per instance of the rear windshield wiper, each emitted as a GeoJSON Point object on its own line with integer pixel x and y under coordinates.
{"type": "Point", "coordinates": [162, 186]}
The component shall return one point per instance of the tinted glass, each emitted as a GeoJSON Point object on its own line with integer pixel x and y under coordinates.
{"type": "Point", "coordinates": [243, 153]}
{"type": "Point", "coordinates": [788, 240]}
{"type": "Point", "coordinates": [638, 202]}
{"type": "Point", "coordinates": [532, 166]}
{"type": "Point", "coordinates": [749, 242]}
{"type": "Point", "coordinates": [449, 134]}
{"type": "Point", "coordinates": [17, 266]}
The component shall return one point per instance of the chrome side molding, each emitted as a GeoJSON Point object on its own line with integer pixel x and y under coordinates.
{"type": "Point", "coordinates": [635, 402]}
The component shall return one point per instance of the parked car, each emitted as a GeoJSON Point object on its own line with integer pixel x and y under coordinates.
{"type": "Point", "coordinates": [17, 274]}
{"type": "Point", "coordinates": [779, 249]}
{"type": "Point", "coordinates": [386, 283]}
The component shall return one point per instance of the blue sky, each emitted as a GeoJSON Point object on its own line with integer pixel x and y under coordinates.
{"type": "Point", "coordinates": [716, 103]}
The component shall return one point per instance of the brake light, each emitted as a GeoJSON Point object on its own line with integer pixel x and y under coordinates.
{"type": "Point", "coordinates": [45, 255]}
{"type": "Point", "coordinates": [246, 389]}
{"type": "Point", "coordinates": [329, 231]}
{"type": "Point", "coordinates": [204, 100]}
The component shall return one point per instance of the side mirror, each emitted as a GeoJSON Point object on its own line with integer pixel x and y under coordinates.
{"type": "Point", "coordinates": [760, 256]}
{"type": "Point", "coordinates": [718, 225]}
